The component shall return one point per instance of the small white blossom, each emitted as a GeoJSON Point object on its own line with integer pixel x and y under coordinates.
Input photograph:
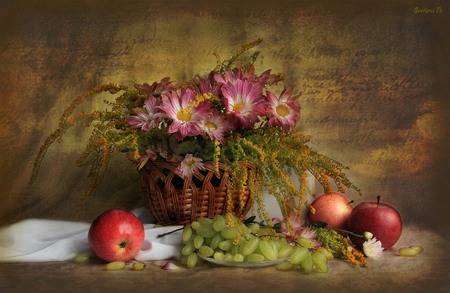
{"type": "Point", "coordinates": [367, 235]}
{"type": "Point", "coordinates": [372, 248]}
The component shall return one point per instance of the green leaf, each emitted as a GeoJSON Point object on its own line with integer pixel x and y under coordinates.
{"type": "Point", "coordinates": [250, 220]}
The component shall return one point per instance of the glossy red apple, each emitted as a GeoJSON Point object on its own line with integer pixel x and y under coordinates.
{"type": "Point", "coordinates": [332, 208]}
{"type": "Point", "coordinates": [116, 235]}
{"type": "Point", "coordinates": [382, 220]}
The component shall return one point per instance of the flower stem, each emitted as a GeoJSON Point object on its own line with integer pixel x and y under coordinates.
{"type": "Point", "coordinates": [348, 232]}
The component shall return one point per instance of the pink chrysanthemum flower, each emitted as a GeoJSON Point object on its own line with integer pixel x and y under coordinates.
{"type": "Point", "coordinates": [298, 229]}
{"type": "Point", "coordinates": [210, 85]}
{"type": "Point", "coordinates": [228, 77]}
{"type": "Point", "coordinates": [243, 103]}
{"type": "Point", "coordinates": [309, 234]}
{"type": "Point", "coordinates": [267, 77]}
{"type": "Point", "coordinates": [156, 88]}
{"type": "Point", "coordinates": [216, 127]}
{"type": "Point", "coordinates": [295, 222]}
{"type": "Point", "coordinates": [150, 154]}
{"type": "Point", "coordinates": [146, 118]}
{"type": "Point", "coordinates": [284, 110]}
{"type": "Point", "coordinates": [240, 74]}
{"type": "Point", "coordinates": [188, 166]}
{"type": "Point", "coordinates": [185, 111]}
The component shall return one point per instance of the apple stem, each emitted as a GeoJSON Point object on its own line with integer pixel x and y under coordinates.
{"type": "Point", "coordinates": [350, 202]}
{"type": "Point", "coordinates": [170, 232]}
{"type": "Point", "coordinates": [378, 199]}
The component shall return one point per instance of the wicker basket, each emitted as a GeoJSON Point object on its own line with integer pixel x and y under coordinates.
{"type": "Point", "coordinates": [175, 201]}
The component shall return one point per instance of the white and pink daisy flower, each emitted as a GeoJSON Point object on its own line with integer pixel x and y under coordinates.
{"type": "Point", "coordinates": [284, 110]}
{"type": "Point", "coordinates": [147, 117]}
{"type": "Point", "coordinates": [216, 127]}
{"type": "Point", "coordinates": [243, 103]}
{"type": "Point", "coordinates": [188, 166]}
{"type": "Point", "coordinates": [185, 112]}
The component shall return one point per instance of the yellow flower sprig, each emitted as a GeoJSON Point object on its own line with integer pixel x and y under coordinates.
{"type": "Point", "coordinates": [339, 246]}
{"type": "Point", "coordinates": [66, 121]}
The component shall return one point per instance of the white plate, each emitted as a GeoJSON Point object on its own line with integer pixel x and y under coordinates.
{"type": "Point", "coordinates": [249, 264]}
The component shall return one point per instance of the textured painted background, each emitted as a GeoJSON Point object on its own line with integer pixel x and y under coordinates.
{"type": "Point", "coordinates": [372, 76]}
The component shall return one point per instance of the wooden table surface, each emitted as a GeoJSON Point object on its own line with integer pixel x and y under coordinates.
{"type": "Point", "coordinates": [428, 272]}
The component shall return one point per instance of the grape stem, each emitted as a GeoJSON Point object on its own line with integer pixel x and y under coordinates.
{"type": "Point", "coordinates": [170, 232]}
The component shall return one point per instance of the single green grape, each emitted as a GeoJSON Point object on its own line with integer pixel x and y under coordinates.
{"type": "Point", "coordinates": [229, 232]}
{"type": "Point", "coordinates": [268, 250]}
{"type": "Point", "coordinates": [187, 233]}
{"type": "Point", "coordinates": [188, 248]}
{"type": "Point", "coordinates": [138, 266]}
{"type": "Point", "coordinates": [204, 221]}
{"type": "Point", "coordinates": [206, 251]}
{"type": "Point", "coordinates": [305, 242]}
{"type": "Point", "coordinates": [195, 225]}
{"type": "Point", "coordinates": [229, 257]}
{"type": "Point", "coordinates": [81, 258]}
{"type": "Point", "coordinates": [219, 222]}
{"type": "Point", "coordinates": [115, 266]}
{"type": "Point", "coordinates": [276, 243]}
{"type": "Point", "coordinates": [285, 250]}
{"type": "Point", "coordinates": [215, 241]}
{"type": "Point", "coordinates": [226, 245]}
{"type": "Point", "coordinates": [298, 254]}
{"type": "Point", "coordinates": [192, 260]}
{"type": "Point", "coordinates": [218, 255]}
{"type": "Point", "coordinates": [250, 246]}
{"type": "Point", "coordinates": [198, 241]}
{"type": "Point", "coordinates": [255, 257]}
{"type": "Point", "coordinates": [238, 257]}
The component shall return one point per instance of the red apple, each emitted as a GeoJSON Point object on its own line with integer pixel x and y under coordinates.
{"type": "Point", "coordinates": [382, 220]}
{"type": "Point", "coordinates": [116, 235]}
{"type": "Point", "coordinates": [332, 208]}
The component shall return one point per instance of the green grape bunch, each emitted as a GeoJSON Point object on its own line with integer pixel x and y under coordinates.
{"type": "Point", "coordinates": [226, 238]}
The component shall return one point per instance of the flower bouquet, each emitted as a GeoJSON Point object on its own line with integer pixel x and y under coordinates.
{"type": "Point", "coordinates": [230, 120]}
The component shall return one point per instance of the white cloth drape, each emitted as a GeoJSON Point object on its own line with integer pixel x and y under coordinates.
{"type": "Point", "coordinates": [41, 240]}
